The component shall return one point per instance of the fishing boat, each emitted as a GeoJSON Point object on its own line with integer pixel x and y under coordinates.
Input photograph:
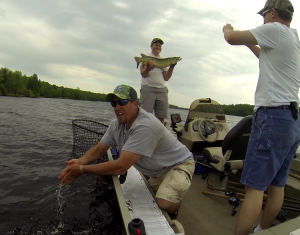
{"type": "Point", "coordinates": [210, 205]}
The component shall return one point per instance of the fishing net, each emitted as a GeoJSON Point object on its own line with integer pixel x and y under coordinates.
{"type": "Point", "coordinates": [86, 134]}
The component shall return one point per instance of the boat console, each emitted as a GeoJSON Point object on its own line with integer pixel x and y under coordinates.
{"type": "Point", "coordinates": [205, 126]}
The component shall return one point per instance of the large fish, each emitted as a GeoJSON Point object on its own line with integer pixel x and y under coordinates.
{"type": "Point", "coordinates": [157, 62]}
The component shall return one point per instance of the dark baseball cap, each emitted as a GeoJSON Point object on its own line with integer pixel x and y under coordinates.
{"type": "Point", "coordinates": [283, 5]}
{"type": "Point", "coordinates": [123, 92]}
{"type": "Point", "coordinates": [157, 40]}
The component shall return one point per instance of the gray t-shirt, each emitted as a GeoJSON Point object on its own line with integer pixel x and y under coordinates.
{"type": "Point", "coordinates": [159, 148]}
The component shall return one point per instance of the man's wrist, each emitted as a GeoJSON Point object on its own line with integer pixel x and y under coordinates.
{"type": "Point", "coordinates": [81, 169]}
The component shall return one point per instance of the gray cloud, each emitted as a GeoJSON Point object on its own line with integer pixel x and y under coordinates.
{"type": "Point", "coordinates": [91, 44]}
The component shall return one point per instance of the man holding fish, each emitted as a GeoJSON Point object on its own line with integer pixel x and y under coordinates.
{"type": "Point", "coordinates": [154, 93]}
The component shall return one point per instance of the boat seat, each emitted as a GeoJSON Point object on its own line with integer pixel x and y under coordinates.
{"type": "Point", "coordinates": [230, 157]}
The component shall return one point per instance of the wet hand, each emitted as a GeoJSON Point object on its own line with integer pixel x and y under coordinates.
{"type": "Point", "coordinates": [73, 161]}
{"type": "Point", "coordinates": [227, 26]}
{"type": "Point", "coordinates": [70, 173]}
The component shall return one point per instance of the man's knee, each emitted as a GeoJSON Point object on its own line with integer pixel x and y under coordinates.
{"type": "Point", "coordinates": [275, 191]}
{"type": "Point", "coordinates": [167, 205]}
{"type": "Point", "coordinates": [164, 204]}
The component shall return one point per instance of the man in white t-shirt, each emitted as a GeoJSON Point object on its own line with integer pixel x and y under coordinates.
{"type": "Point", "coordinates": [275, 134]}
{"type": "Point", "coordinates": [154, 92]}
{"type": "Point", "coordinates": [145, 144]}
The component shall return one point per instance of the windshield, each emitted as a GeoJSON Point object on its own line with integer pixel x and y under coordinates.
{"type": "Point", "coordinates": [206, 108]}
{"type": "Point", "coordinates": [209, 108]}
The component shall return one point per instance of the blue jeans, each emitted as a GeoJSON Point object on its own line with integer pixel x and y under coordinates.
{"type": "Point", "coordinates": [273, 142]}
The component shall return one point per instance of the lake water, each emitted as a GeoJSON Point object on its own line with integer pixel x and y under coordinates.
{"type": "Point", "coordinates": [35, 139]}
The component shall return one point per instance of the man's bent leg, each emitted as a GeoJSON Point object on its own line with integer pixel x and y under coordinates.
{"type": "Point", "coordinates": [273, 206]}
{"type": "Point", "coordinates": [169, 207]}
{"type": "Point", "coordinates": [175, 184]}
{"type": "Point", "coordinates": [250, 211]}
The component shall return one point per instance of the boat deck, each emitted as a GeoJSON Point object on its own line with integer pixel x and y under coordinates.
{"type": "Point", "coordinates": [202, 214]}
{"type": "Point", "coordinates": [211, 215]}
{"type": "Point", "coordinates": [205, 214]}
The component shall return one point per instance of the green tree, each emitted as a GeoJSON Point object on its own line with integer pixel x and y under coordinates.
{"type": "Point", "coordinates": [5, 74]}
{"type": "Point", "coordinates": [34, 84]}
{"type": "Point", "coordinates": [1, 77]}
{"type": "Point", "coordinates": [19, 81]}
{"type": "Point", "coordinates": [3, 90]}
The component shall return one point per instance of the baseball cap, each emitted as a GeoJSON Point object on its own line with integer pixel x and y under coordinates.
{"type": "Point", "coordinates": [123, 92]}
{"type": "Point", "coordinates": [157, 40]}
{"type": "Point", "coordinates": [282, 5]}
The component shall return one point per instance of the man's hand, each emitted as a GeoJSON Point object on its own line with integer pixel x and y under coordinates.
{"type": "Point", "coordinates": [146, 68]}
{"type": "Point", "coordinates": [71, 172]}
{"type": "Point", "coordinates": [73, 161]}
{"type": "Point", "coordinates": [172, 66]}
{"type": "Point", "coordinates": [150, 65]}
{"type": "Point", "coordinates": [227, 27]}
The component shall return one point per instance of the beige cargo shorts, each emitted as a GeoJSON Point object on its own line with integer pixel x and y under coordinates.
{"type": "Point", "coordinates": [173, 185]}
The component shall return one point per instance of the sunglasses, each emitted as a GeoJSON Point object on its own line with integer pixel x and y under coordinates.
{"type": "Point", "coordinates": [120, 102]}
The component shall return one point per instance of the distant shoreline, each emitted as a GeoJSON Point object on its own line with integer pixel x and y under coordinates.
{"type": "Point", "coordinates": [241, 110]}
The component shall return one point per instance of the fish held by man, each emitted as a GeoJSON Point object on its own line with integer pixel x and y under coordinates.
{"type": "Point", "coordinates": [157, 62]}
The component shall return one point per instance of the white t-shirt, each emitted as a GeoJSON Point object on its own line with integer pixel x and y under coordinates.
{"type": "Point", "coordinates": [155, 78]}
{"type": "Point", "coordinates": [279, 65]}
{"type": "Point", "coordinates": [159, 148]}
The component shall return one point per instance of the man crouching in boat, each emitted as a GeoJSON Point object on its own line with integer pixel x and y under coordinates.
{"type": "Point", "coordinates": [145, 144]}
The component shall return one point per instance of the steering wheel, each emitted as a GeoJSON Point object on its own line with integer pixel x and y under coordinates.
{"type": "Point", "coordinates": [206, 128]}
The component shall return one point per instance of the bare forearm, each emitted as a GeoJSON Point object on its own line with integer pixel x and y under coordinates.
{"type": "Point", "coordinates": [235, 37]}
{"type": "Point", "coordinates": [145, 71]}
{"type": "Point", "coordinates": [168, 74]}
{"type": "Point", "coordinates": [255, 50]}
{"type": "Point", "coordinates": [105, 168]}
{"type": "Point", "coordinates": [93, 154]}
{"type": "Point", "coordinates": [227, 35]}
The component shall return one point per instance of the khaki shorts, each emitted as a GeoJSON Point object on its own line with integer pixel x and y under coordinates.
{"type": "Point", "coordinates": [152, 98]}
{"type": "Point", "coordinates": [173, 185]}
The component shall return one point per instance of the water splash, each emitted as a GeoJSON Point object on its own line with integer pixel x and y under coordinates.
{"type": "Point", "coordinates": [61, 202]}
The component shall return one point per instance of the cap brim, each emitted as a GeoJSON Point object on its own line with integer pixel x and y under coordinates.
{"type": "Point", "coordinates": [158, 41]}
{"type": "Point", "coordinates": [110, 96]}
{"type": "Point", "coordinates": [262, 10]}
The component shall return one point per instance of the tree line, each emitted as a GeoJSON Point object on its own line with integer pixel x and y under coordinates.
{"type": "Point", "coordinates": [14, 83]}
{"type": "Point", "coordinates": [242, 110]}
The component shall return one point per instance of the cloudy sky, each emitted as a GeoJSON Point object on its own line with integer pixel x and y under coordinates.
{"type": "Point", "coordinates": [91, 44]}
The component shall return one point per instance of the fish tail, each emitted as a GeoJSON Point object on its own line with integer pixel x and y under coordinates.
{"type": "Point", "coordinates": [137, 61]}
